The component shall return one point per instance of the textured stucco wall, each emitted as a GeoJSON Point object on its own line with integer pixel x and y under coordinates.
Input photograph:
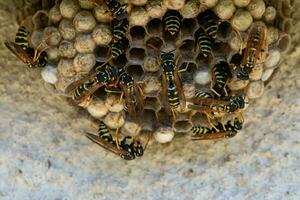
{"type": "Point", "coordinates": [45, 155]}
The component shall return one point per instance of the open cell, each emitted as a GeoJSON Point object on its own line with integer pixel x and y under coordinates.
{"type": "Point", "coordinates": [137, 33]}
{"type": "Point", "coordinates": [154, 27]}
{"type": "Point", "coordinates": [102, 53]}
{"type": "Point", "coordinates": [137, 54]}
{"type": "Point", "coordinates": [136, 71]}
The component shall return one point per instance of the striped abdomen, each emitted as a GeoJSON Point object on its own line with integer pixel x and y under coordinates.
{"type": "Point", "coordinates": [120, 30]}
{"type": "Point", "coordinates": [209, 21]}
{"type": "Point", "coordinates": [198, 130]}
{"type": "Point", "coordinates": [202, 94]}
{"type": "Point", "coordinates": [173, 96]}
{"type": "Point", "coordinates": [119, 47]}
{"type": "Point", "coordinates": [221, 75]}
{"type": "Point", "coordinates": [204, 42]}
{"type": "Point", "coordinates": [21, 38]}
{"type": "Point", "coordinates": [172, 22]}
{"type": "Point", "coordinates": [118, 10]}
{"type": "Point", "coordinates": [104, 133]}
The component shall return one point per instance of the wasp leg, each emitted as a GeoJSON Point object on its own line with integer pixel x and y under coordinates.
{"type": "Point", "coordinates": [117, 138]}
{"type": "Point", "coordinates": [184, 69]}
{"type": "Point", "coordinates": [209, 118]}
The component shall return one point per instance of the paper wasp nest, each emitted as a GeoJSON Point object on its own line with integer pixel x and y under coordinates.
{"type": "Point", "coordinates": [79, 34]}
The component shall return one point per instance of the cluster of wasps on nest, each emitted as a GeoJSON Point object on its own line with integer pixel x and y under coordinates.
{"type": "Point", "coordinates": [216, 103]}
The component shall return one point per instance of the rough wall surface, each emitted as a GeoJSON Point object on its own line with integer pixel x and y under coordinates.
{"type": "Point", "coordinates": [45, 155]}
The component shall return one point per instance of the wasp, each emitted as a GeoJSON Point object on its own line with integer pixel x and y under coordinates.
{"type": "Point", "coordinates": [120, 29]}
{"type": "Point", "coordinates": [204, 42]}
{"type": "Point", "coordinates": [119, 47]}
{"type": "Point", "coordinates": [171, 83]}
{"type": "Point", "coordinates": [255, 50]}
{"type": "Point", "coordinates": [116, 8]}
{"type": "Point", "coordinates": [128, 148]}
{"type": "Point", "coordinates": [209, 21]}
{"type": "Point", "coordinates": [132, 92]}
{"type": "Point", "coordinates": [226, 130]}
{"type": "Point", "coordinates": [221, 75]}
{"type": "Point", "coordinates": [206, 102]}
{"type": "Point", "coordinates": [86, 86]}
{"type": "Point", "coordinates": [172, 22]}
{"type": "Point", "coordinates": [212, 106]}
{"type": "Point", "coordinates": [21, 49]}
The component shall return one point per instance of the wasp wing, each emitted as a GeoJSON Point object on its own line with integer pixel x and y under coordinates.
{"type": "Point", "coordinates": [18, 51]}
{"type": "Point", "coordinates": [106, 145]}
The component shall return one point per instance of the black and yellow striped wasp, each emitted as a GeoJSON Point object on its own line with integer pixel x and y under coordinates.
{"type": "Point", "coordinates": [120, 42]}
{"type": "Point", "coordinates": [255, 50]}
{"type": "Point", "coordinates": [128, 148]}
{"type": "Point", "coordinates": [118, 10]}
{"type": "Point", "coordinates": [105, 76]}
{"type": "Point", "coordinates": [214, 107]}
{"type": "Point", "coordinates": [20, 48]}
{"type": "Point", "coordinates": [115, 80]}
{"type": "Point", "coordinates": [221, 75]}
{"type": "Point", "coordinates": [172, 89]}
{"type": "Point", "coordinates": [172, 21]}
{"type": "Point", "coordinates": [220, 130]}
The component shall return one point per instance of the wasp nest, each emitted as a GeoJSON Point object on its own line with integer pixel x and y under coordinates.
{"type": "Point", "coordinates": [79, 34]}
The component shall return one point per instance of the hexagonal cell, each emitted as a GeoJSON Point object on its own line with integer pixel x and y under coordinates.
{"type": "Point", "coordinates": [199, 119]}
{"type": "Point", "coordinates": [137, 35]}
{"type": "Point", "coordinates": [102, 53]}
{"type": "Point", "coordinates": [186, 50]}
{"type": "Point", "coordinates": [164, 118]}
{"type": "Point", "coordinates": [188, 28]}
{"type": "Point", "coordinates": [136, 71]}
{"type": "Point", "coordinates": [154, 43]}
{"type": "Point", "coordinates": [152, 103]}
{"type": "Point", "coordinates": [150, 120]}
{"type": "Point", "coordinates": [154, 27]}
{"type": "Point", "coordinates": [182, 126]}
{"type": "Point", "coordinates": [224, 31]}
{"type": "Point", "coordinates": [187, 75]}
{"type": "Point", "coordinates": [120, 61]}
{"type": "Point", "coordinates": [136, 55]}
{"type": "Point", "coordinates": [40, 20]}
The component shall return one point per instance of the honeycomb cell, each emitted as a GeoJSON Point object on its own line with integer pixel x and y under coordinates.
{"type": "Point", "coordinates": [224, 31]}
{"type": "Point", "coordinates": [150, 120]}
{"type": "Point", "coordinates": [67, 49]}
{"type": "Point", "coordinates": [54, 14]}
{"type": "Point", "coordinates": [114, 120]}
{"type": "Point", "coordinates": [69, 8]}
{"type": "Point", "coordinates": [137, 35]}
{"type": "Point", "coordinates": [97, 109]}
{"type": "Point", "coordinates": [101, 14]}
{"type": "Point", "coordinates": [67, 29]}
{"type": "Point", "coordinates": [84, 62]}
{"type": "Point", "coordinates": [185, 51]}
{"type": "Point", "coordinates": [174, 4]}
{"type": "Point", "coordinates": [188, 69]}
{"type": "Point", "coordinates": [191, 9]}
{"type": "Point", "coordinates": [151, 63]}
{"type": "Point", "coordinates": [84, 43]}
{"type": "Point", "coordinates": [84, 21]}
{"type": "Point", "coordinates": [151, 85]}
{"type": "Point", "coordinates": [155, 8]}
{"type": "Point", "coordinates": [136, 55]}
{"type": "Point", "coordinates": [225, 9]}
{"type": "Point", "coordinates": [40, 20]}
{"type": "Point", "coordinates": [154, 27]}
{"type": "Point", "coordinates": [136, 71]}
{"type": "Point", "coordinates": [120, 61]}
{"type": "Point", "coordinates": [182, 126]}
{"type": "Point", "coordinates": [188, 28]}
{"type": "Point", "coordinates": [152, 103]}
{"type": "Point", "coordinates": [154, 43]}
{"type": "Point", "coordinates": [138, 16]}
{"type": "Point", "coordinates": [113, 103]}
{"type": "Point", "coordinates": [102, 53]}
{"type": "Point", "coordinates": [102, 34]}
{"type": "Point", "coordinates": [164, 135]}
